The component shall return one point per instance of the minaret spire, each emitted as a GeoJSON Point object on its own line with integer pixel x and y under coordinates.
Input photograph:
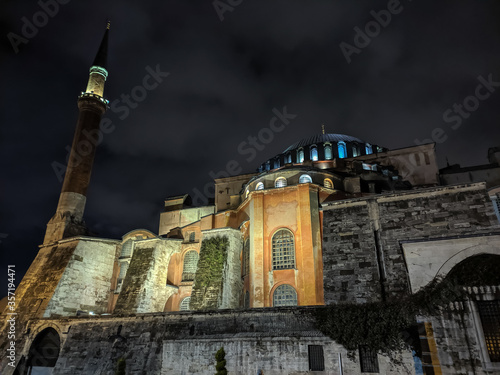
{"type": "Point", "coordinates": [68, 219]}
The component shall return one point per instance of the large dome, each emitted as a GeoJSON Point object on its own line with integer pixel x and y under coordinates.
{"type": "Point", "coordinates": [321, 138]}
{"type": "Point", "coordinates": [321, 147]}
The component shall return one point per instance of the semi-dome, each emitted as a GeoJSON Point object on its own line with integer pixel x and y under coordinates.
{"type": "Point", "coordinates": [321, 147]}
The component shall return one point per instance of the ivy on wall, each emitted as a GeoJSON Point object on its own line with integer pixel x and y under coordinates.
{"type": "Point", "coordinates": [208, 279]}
{"type": "Point", "coordinates": [389, 327]}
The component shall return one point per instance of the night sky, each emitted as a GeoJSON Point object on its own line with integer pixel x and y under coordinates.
{"type": "Point", "coordinates": [225, 78]}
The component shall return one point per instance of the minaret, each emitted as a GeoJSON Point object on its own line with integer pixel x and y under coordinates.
{"type": "Point", "coordinates": [68, 219]}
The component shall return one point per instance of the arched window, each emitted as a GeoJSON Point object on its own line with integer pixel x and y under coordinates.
{"type": "Point", "coordinates": [127, 249]}
{"type": "Point", "coordinates": [268, 165]}
{"type": "Point", "coordinates": [283, 248]}
{"type": "Point", "coordinates": [44, 352]}
{"type": "Point", "coordinates": [368, 149]}
{"type": "Point", "coordinates": [305, 179]}
{"type": "Point", "coordinates": [190, 265]}
{"type": "Point", "coordinates": [328, 151]}
{"type": "Point", "coordinates": [280, 182]}
{"type": "Point", "coordinates": [259, 186]}
{"type": "Point", "coordinates": [276, 163]}
{"type": "Point", "coordinates": [328, 183]}
{"type": "Point", "coordinates": [342, 150]}
{"type": "Point", "coordinates": [355, 150]}
{"type": "Point", "coordinates": [245, 267]}
{"type": "Point", "coordinates": [300, 156]}
{"type": "Point", "coordinates": [314, 153]}
{"type": "Point", "coordinates": [184, 305]}
{"type": "Point", "coordinates": [285, 295]}
{"type": "Point", "coordinates": [247, 300]}
{"type": "Point", "coordinates": [288, 158]}
{"type": "Point", "coordinates": [192, 236]}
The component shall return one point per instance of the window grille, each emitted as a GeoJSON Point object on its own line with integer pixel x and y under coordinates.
{"type": "Point", "coordinates": [184, 305]}
{"type": "Point", "coordinates": [328, 183]}
{"type": "Point", "coordinates": [368, 359]}
{"type": "Point", "coordinates": [283, 248]}
{"type": "Point", "coordinates": [316, 358]}
{"type": "Point", "coordinates": [314, 153]}
{"type": "Point", "coordinates": [328, 152]}
{"type": "Point", "coordinates": [246, 258]}
{"type": "Point", "coordinates": [127, 249]}
{"type": "Point", "coordinates": [190, 265]}
{"type": "Point", "coordinates": [280, 182]}
{"type": "Point", "coordinates": [342, 150]}
{"type": "Point", "coordinates": [285, 295]}
{"type": "Point", "coordinates": [489, 312]}
{"type": "Point", "coordinates": [259, 186]}
{"type": "Point", "coordinates": [305, 179]}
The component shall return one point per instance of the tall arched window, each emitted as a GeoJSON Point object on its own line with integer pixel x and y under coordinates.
{"type": "Point", "coordinates": [328, 151]}
{"type": "Point", "coordinates": [285, 295]}
{"type": "Point", "coordinates": [259, 186]}
{"type": "Point", "coordinates": [305, 179]}
{"type": "Point", "coordinates": [283, 248]}
{"type": "Point", "coordinates": [314, 153]}
{"type": "Point", "coordinates": [300, 156]}
{"type": "Point", "coordinates": [368, 149]}
{"type": "Point", "coordinates": [328, 183]}
{"type": "Point", "coordinates": [355, 150]}
{"type": "Point", "coordinates": [247, 300]}
{"type": "Point", "coordinates": [184, 305]}
{"type": "Point", "coordinates": [288, 158]}
{"type": "Point", "coordinates": [190, 265]}
{"type": "Point", "coordinates": [44, 352]}
{"type": "Point", "coordinates": [342, 149]}
{"type": "Point", "coordinates": [280, 182]}
{"type": "Point", "coordinates": [245, 267]}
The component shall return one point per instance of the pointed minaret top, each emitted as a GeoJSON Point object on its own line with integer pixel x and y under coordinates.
{"type": "Point", "coordinates": [102, 55]}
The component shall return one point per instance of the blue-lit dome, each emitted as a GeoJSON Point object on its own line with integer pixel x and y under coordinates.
{"type": "Point", "coordinates": [319, 148]}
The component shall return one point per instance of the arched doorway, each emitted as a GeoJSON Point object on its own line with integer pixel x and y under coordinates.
{"type": "Point", "coordinates": [44, 352]}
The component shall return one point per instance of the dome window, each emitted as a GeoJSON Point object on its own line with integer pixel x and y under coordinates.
{"type": "Point", "coordinates": [342, 149]}
{"type": "Point", "coordinates": [276, 163]}
{"type": "Point", "coordinates": [314, 153]}
{"type": "Point", "coordinates": [300, 156]}
{"type": "Point", "coordinates": [280, 182]}
{"type": "Point", "coordinates": [305, 179]}
{"type": "Point", "coordinates": [355, 150]}
{"type": "Point", "coordinates": [288, 158]}
{"type": "Point", "coordinates": [328, 183]}
{"type": "Point", "coordinates": [268, 165]}
{"type": "Point", "coordinates": [259, 186]}
{"type": "Point", "coordinates": [369, 149]}
{"type": "Point", "coordinates": [328, 151]}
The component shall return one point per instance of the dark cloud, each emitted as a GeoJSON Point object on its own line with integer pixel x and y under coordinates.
{"type": "Point", "coordinates": [225, 79]}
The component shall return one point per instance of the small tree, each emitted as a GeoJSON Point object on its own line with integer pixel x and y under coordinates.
{"type": "Point", "coordinates": [120, 367]}
{"type": "Point", "coordinates": [220, 366]}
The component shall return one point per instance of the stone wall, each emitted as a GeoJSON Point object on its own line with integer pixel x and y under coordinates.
{"type": "Point", "coordinates": [273, 340]}
{"type": "Point", "coordinates": [362, 238]}
{"type": "Point", "coordinates": [86, 281]}
{"type": "Point", "coordinates": [144, 288]}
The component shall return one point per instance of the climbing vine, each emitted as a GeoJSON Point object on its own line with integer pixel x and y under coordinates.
{"type": "Point", "coordinates": [389, 327]}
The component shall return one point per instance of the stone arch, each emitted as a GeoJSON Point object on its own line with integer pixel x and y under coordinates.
{"type": "Point", "coordinates": [465, 254]}
{"type": "Point", "coordinates": [44, 350]}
